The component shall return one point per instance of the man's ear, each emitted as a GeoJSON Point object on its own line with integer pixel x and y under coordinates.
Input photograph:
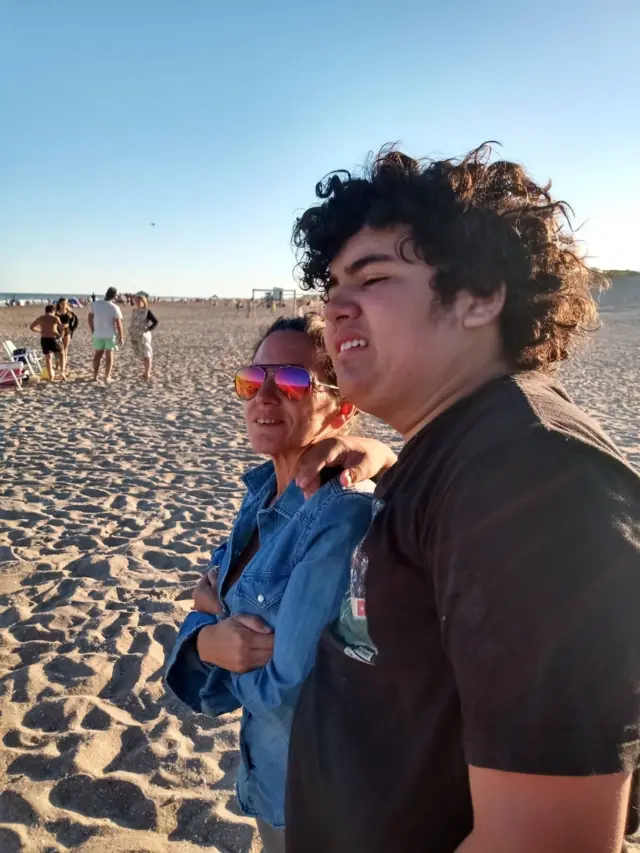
{"type": "Point", "coordinates": [479, 311]}
{"type": "Point", "coordinates": [343, 416]}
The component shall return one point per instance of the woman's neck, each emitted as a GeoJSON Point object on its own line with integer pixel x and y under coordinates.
{"type": "Point", "coordinates": [285, 466]}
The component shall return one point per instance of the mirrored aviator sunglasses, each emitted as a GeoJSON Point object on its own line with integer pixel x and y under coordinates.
{"type": "Point", "coordinates": [292, 382]}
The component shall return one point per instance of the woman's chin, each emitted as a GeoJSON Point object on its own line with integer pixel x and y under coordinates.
{"type": "Point", "coordinates": [268, 445]}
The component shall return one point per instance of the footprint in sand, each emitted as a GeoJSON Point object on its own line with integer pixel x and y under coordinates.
{"type": "Point", "coordinates": [28, 653]}
{"type": "Point", "coordinates": [125, 676]}
{"type": "Point", "coordinates": [92, 492]}
{"type": "Point", "coordinates": [165, 635]}
{"type": "Point", "coordinates": [63, 669]}
{"type": "Point", "coordinates": [16, 739]}
{"type": "Point", "coordinates": [33, 631]}
{"type": "Point", "coordinates": [114, 799]}
{"type": "Point", "coordinates": [140, 645]}
{"type": "Point", "coordinates": [163, 560]}
{"type": "Point", "coordinates": [69, 833]}
{"type": "Point", "coordinates": [136, 754]}
{"type": "Point", "coordinates": [10, 841]}
{"type": "Point", "coordinates": [179, 546]}
{"type": "Point", "coordinates": [197, 823]}
{"type": "Point", "coordinates": [42, 768]}
{"type": "Point", "coordinates": [48, 716]}
{"type": "Point", "coordinates": [14, 808]}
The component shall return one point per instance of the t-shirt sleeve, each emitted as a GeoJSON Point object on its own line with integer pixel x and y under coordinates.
{"type": "Point", "coordinates": [537, 581]}
{"type": "Point", "coordinates": [118, 313]}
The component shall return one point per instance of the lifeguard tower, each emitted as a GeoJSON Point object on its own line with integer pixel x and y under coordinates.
{"type": "Point", "coordinates": [277, 294]}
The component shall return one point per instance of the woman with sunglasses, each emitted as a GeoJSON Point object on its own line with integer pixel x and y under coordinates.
{"type": "Point", "coordinates": [281, 576]}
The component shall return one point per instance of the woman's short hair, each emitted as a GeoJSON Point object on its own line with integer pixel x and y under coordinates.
{"type": "Point", "coordinates": [312, 325]}
{"type": "Point", "coordinates": [142, 299]}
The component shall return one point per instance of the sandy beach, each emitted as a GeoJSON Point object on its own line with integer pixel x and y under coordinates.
{"type": "Point", "coordinates": [112, 500]}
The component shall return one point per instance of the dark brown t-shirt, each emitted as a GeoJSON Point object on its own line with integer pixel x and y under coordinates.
{"type": "Point", "coordinates": [492, 620]}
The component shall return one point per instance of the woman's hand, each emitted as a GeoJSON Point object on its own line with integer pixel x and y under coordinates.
{"type": "Point", "coordinates": [360, 458]}
{"type": "Point", "coordinates": [205, 595]}
{"type": "Point", "coordinates": [238, 644]}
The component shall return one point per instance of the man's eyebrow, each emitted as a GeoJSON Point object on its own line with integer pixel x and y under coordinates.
{"type": "Point", "coordinates": [365, 260]}
{"type": "Point", "coordinates": [358, 265]}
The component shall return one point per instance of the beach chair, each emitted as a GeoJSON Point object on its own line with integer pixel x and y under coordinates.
{"type": "Point", "coordinates": [11, 374]}
{"type": "Point", "coordinates": [27, 356]}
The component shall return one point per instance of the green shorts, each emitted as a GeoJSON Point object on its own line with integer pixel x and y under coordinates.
{"type": "Point", "coordinates": [104, 343]}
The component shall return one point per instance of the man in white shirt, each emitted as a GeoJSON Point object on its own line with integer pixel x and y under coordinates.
{"type": "Point", "coordinates": [105, 322]}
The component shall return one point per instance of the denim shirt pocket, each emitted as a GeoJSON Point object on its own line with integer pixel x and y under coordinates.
{"type": "Point", "coordinates": [260, 592]}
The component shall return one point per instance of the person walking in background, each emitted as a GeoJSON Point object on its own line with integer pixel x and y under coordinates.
{"type": "Point", "coordinates": [105, 322]}
{"type": "Point", "coordinates": [479, 692]}
{"type": "Point", "coordinates": [143, 322]}
{"type": "Point", "coordinates": [51, 331]}
{"type": "Point", "coordinates": [280, 578]}
{"type": "Point", "coordinates": [69, 322]}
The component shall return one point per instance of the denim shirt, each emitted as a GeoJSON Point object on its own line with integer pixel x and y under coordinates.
{"type": "Point", "coordinates": [295, 582]}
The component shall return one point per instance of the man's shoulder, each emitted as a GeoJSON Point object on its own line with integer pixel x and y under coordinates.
{"type": "Point", "coordinates": [518, 423]}
{"type": "Point", "coordinates": [522, 408]}
{"type": "Point", "coordinates": [556, 451]}
{"type": "Point", "coordinates": [534, 414]}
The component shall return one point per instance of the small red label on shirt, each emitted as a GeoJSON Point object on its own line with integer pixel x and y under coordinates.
{"type": "Point", "coordinates": [359, 608]}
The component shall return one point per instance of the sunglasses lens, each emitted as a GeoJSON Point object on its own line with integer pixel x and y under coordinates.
{"type": "Point", "coordinates": [293, 382]}
{"type": "Point", "coordinates": [248, 381]}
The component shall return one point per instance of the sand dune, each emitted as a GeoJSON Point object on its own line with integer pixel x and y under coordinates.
{"type": "Point", "coordinates": [113, 498]}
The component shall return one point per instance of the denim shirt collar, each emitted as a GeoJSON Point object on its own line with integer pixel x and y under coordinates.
{"type": "Point", "coordinates": [255, 479]}
{"type": "Point", "coordinates": [261, 483]}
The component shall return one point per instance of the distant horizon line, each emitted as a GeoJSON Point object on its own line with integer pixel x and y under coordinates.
{"type": "Point", "coordinates": [62, 294]}
{"type": "Point", "coordinates": [8, 294]}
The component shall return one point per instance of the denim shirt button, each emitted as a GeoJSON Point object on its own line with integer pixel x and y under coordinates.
{"type": "Point", "coordinates": [260, 598]}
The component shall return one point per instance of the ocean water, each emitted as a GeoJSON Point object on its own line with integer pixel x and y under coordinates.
{"type": "Point", "coordinates": [42, 297]}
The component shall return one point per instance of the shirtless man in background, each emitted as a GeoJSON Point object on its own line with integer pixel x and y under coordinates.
{"type": "Point", "coordinates": [50, 329]}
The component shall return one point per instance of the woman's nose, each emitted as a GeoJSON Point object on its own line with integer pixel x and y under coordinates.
{"type": "Point", "coordinates": [268, 390]}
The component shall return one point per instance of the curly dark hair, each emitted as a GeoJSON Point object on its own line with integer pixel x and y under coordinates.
{"type": "Point", "coordinates": [481, 224]}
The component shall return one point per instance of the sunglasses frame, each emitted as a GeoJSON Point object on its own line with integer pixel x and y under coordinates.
{"type": "Point", "coordinates": [273, 369]}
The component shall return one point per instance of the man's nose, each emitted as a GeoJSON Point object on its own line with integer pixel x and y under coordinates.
{"type": "Point", "coordinates": [341, 306]}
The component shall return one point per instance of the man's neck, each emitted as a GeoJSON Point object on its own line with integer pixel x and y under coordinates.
{"type": "Point", "coordinates": [457, 388]}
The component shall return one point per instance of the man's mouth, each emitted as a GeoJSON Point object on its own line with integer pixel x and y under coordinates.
{"type": "Point", "coordinates": [353, 343]}
{"type": "Point", "coordinates": [267, 421]}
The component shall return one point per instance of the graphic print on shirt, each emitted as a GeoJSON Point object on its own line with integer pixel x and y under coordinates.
{"type": "Point", "coordinates": [350, 629]}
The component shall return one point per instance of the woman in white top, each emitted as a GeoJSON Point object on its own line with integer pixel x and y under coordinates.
{"type": "Point", "coordinates": [143, 321]}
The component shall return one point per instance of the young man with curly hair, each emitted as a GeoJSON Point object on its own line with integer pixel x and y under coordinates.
{"type": "Point", "coordinates": [480, 691]}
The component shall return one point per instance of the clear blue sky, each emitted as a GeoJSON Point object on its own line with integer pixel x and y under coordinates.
{"type": "Point", "coordinates": [214, 120]}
